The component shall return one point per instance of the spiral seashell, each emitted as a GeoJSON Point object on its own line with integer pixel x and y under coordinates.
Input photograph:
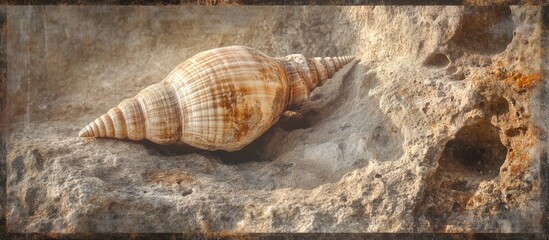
{"type": "Point", "coordinates": [220, 99]}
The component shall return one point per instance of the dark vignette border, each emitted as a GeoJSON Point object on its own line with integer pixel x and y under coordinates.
{"type": "Point", "coordinates": [291, 236]}
{"type": "Point", "coordinates": [275, 2]}
{"type": "Point", "coordinates": [544, 107]}
{"type": "Point", "coordinates": [3, 131]}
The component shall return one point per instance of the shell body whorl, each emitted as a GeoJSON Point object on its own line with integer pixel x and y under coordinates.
{"type": "Point", "coordinates": [220, 99]}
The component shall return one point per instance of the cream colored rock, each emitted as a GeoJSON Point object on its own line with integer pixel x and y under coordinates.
{"type": "Point", "coordinates": [377, 148]}
{"type": "Point", "coordinates": [220, 99]}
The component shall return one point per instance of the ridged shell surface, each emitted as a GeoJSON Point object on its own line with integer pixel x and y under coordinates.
{"type": "Point", "coordinates": [220, 99]}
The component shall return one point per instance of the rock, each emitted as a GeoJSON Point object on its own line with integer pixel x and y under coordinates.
{"type": "Point", "coordinates": [439, 126]}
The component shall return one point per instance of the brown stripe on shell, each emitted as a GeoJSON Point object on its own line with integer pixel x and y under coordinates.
{"type": "Point", "coordinates": [107, 122]}
{"type": "Point", "coordinates": [322, 71]}
{"type": "Point", "coordinates": [301, 64]}
{"type": "Point", "coordinates": [330, 66]}
{"type": "Point", "coordinates": [100, 127]}
{"type": "Point", "coordinates": [313, 72]}
{"type": "Point", "coordinates": [119, 123]}
{"type": "Point", "coordinates": [160, 115]}
{"type": "Point", "coordinates": [179, 108]}
{"type": "Point", "coordinates": [337, 63]}
{"type": "Point", "coordinates": [298, 88]}
{"type": "Point", "coordinates": [135, 119]}
{"type": "Point", "coordinates": [95, 129]}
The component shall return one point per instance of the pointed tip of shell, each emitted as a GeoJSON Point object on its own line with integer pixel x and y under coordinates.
{"type": "Point", "coordinates": [100, 127]}
{"type": "Point", "coordinates": [346, 59]}
{"type": "Point", "coordinates": [85, 132]}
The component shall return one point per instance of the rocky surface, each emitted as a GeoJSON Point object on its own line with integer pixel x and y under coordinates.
{"type": "Point", "coordinates": [438, 127]}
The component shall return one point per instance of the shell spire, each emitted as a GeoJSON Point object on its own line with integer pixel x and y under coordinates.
{"type": "Point", "coordinates": [306, 74]}
{"type": "Point", "coordinates": [113, 124]}
{"type": "Point", "coordinates": [152, 114]}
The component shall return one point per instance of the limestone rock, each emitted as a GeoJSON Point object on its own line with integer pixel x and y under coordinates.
{"type": "Point", "coordinates": [438, 128]}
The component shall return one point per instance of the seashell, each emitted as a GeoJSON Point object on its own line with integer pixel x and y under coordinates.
{"type": "Point", "coordinates": [220, 99]}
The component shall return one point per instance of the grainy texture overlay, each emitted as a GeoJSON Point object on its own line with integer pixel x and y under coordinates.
{"type": "Point", "coordinates": [438, 127]}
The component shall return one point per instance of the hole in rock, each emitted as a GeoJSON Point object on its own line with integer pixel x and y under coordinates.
{"type": "Point", "coordinates": [473, 156]}
{"type": "Point", "coordinates": [484, 30]}
{"type": "Point", "coordinates": [477, 151]}
{"type": "Point", "coordinates": [498, 107]}
{"type": "Point", "coordinates": [495, 106]}
{"type": "Point", "coordinates": [436, 60]}
{"type": "Point", "coordinates": [513, 132]}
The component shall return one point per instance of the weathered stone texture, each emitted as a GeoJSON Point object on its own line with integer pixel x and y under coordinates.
{"type": "Point", "coordinates": [438, 127]}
